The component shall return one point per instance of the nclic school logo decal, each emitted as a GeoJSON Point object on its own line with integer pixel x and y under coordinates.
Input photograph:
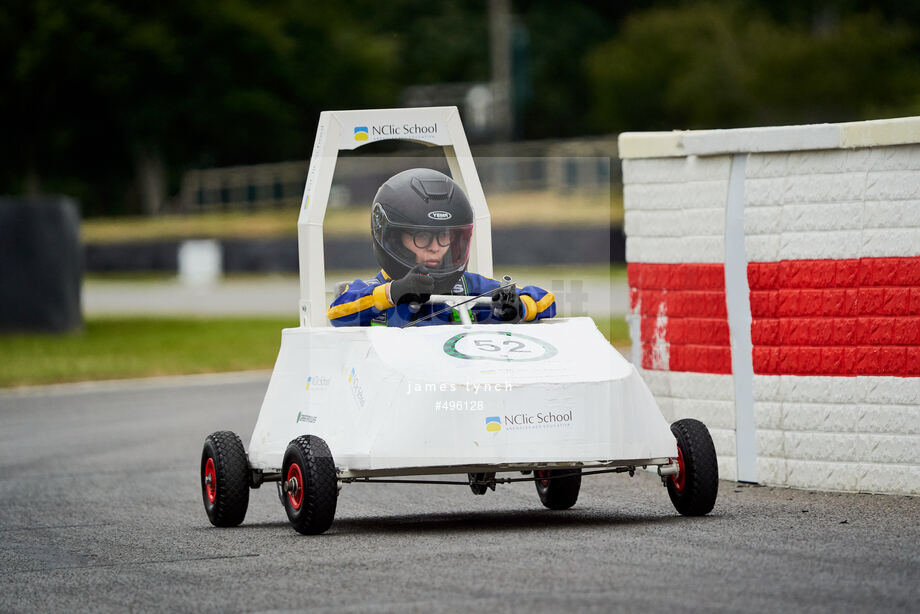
{"type": "Point", "coordinates": [493, 424]}
{"type": "Point", "coordinates": [361, 133]}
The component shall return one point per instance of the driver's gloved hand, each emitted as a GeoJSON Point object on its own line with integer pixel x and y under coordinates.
{"type": "Point", "coordinates": [507, 307]}
{"type": "Point", "coordinates": [415, 287]}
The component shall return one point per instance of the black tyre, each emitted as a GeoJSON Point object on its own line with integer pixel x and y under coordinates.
{"type": "Point", "coordinates": [310, 489]}
{"type": "Point", "coordinates": [693, 492]}
{"type": "Point", "coordinates": [558, 493]}
{"type": "Point", "coordinates": [224, 479]}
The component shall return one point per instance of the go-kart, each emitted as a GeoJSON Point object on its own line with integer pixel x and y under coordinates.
{"type": "Point", "coordinates": [548, 402]}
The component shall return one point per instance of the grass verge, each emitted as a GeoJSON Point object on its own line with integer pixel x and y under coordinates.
{"type": "Point", "coordinates": [116, 348]}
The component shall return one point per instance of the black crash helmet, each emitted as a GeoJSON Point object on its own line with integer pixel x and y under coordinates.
{"type": "Point", "coordinates": [425, 209]}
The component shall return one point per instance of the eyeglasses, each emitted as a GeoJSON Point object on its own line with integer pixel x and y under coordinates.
{"type": "Point", "coordinates": [423, 238]}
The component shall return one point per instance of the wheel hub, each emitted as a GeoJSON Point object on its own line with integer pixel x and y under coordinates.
{"type": "Point", "coordinates": [680, 479]}
{"type": "Point", "coordinates": [210, 480]}
{"type": "Point", "coordinates": [292, 486]}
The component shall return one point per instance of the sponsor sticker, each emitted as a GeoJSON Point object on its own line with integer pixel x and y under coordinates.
{"type": "Point", "coordinates": [357, 392]}
{"type": "Point", "coordinates": [407, 130]}
{"type": "Point", "coordinates": [317, 381]}
{"type": "Point", "coordinates": [528, 420]}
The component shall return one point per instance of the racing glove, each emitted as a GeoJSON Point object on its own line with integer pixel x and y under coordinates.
{"type": "Point", "coordinates": [507, 306]}
{"type": "Point", "coordinates": [415, 287]}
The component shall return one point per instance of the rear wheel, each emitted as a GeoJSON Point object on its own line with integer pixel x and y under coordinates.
{"type": "Point", "coordinates": [224, 479]}
{"type": "Point", "coordinates": [558, 488]}
{"type": "Point", "coordinates": [310, 491]}
{"type": "Point", "coordinates": [693, 491]}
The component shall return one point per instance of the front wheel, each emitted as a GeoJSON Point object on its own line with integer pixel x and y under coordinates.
{"type": "Point", "coordinates": [694, 489]}
{"type": "Point", "coordinates": [310, 490]}
{"type": "Point", "coordinates": [558, 488]}
{"type": "Point", "coordinates": [224, 479]}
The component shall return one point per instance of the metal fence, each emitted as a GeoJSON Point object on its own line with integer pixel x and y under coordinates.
{"type": "Point", "coordinates": [558, 165]}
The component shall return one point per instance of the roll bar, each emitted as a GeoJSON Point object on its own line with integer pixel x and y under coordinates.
{"type": "Point", "coordinates": [348, 130]}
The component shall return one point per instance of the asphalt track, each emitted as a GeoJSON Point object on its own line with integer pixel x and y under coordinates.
{"type": "Point", "coordinates": [100, 510]}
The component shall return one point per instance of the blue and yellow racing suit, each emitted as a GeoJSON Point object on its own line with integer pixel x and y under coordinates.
{"type": "Point", "coordinates": [365, 303]}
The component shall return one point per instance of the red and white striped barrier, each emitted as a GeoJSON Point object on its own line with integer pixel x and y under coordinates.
{"type": "Point", "coordinates": [775, 294]}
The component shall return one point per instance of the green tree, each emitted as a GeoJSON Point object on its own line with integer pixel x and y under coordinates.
{"type": "Point", "coordinates": [107, 97]}
{"type": "Point", "coordinates": [435, 42]}
{"type": "Point", "coordinates": [560, 35]}
{"type": "Point", "coordinates": [722, 65]}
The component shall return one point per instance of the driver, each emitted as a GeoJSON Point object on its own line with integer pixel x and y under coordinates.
{"type": "Point", "coordinates": [422, 225]}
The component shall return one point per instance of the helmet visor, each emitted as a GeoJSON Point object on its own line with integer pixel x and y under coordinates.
{"type": "Point", "coordinates": [442, 249]}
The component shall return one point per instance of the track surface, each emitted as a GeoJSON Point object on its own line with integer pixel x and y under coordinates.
{"type": "Point", "coordinates": [100, 509]}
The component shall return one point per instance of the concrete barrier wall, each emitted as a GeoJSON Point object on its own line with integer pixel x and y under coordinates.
{"type": "Point", "coordinates": [775, 294]}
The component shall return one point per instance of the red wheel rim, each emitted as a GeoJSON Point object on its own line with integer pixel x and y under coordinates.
{"type": "Point", "coordinates": [295, 497]}
{"type": "Point", "coordinates": [543, 474]}
{"type": "Point", "coordinates": [210, 480]}
{"type": "Point", "coordinates": [681, 478]}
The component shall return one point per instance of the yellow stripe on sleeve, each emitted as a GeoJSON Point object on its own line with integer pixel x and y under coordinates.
{"type": "Point", "coordinates": [381, 301]}
{"type": "Point", "coordinates": [346, 309]}
{"type": "Point", "coordinates": [545, 302]}
{"type": "Point", "coordinates": [531, 307]}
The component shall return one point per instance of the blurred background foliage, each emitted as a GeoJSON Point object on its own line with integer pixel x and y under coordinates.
{"type": "Point", "coordinates": [102, 98]}
{"type": "Point", "coordinates": [732, 64]}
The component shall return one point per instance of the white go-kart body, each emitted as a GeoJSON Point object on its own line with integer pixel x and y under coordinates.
{"type": "Point", "coordinates": [477, 399]}
{"type": "Point", "coordinates": [456, 399]}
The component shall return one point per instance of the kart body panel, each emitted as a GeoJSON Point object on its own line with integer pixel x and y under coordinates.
{"type": "Point", "coordinates": [392, 401]}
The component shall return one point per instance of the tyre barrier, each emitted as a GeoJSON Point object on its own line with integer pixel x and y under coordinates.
{"type": "Point", "coordinates": [774, 281]}
{"type": "Point", "coordinates": [41, 266]}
